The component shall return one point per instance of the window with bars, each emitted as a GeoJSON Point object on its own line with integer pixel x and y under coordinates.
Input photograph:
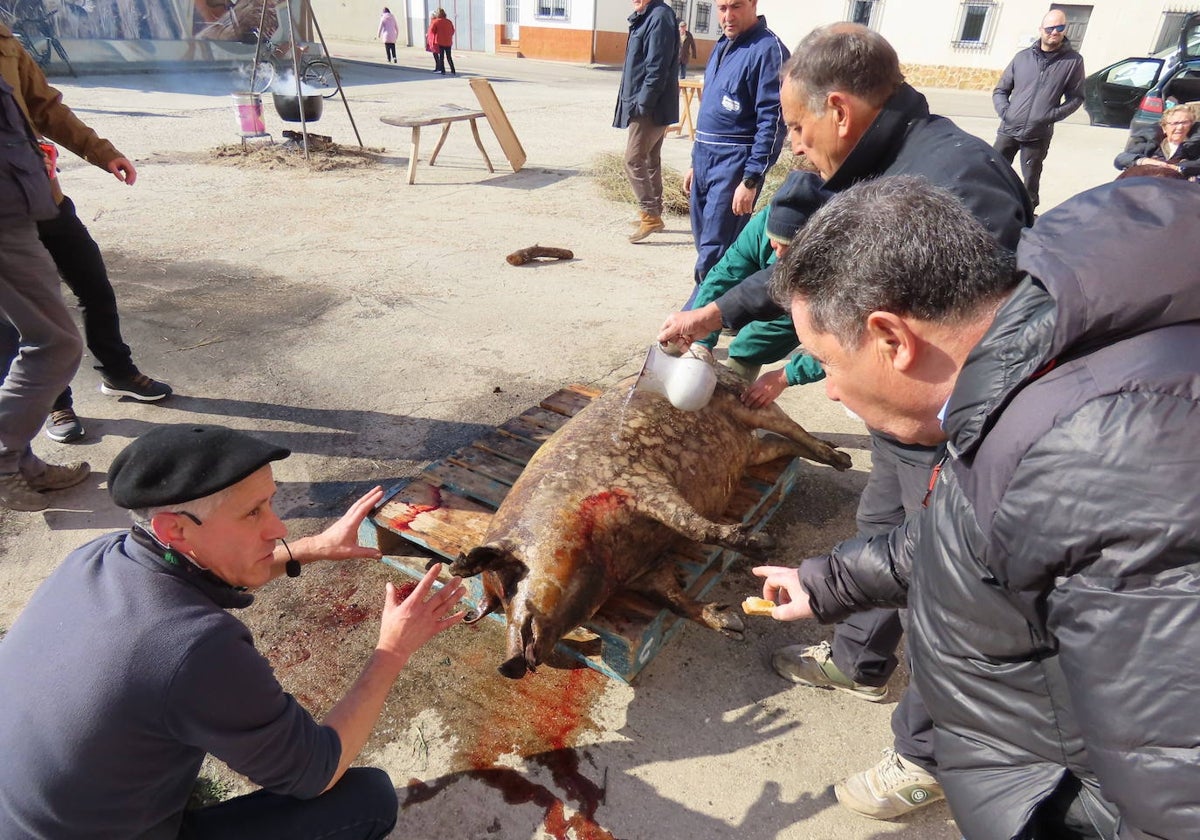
{"type": "Point", "coordinates": [703, 17]}
{"type": "Point", "coordinates": [865, 12]}
{"type": "Point", "coordinates": [680, 8]}
{"type": "Point", "coordinates": [554, 9]}
{"type": "Point", "coordinates": [976, 22]}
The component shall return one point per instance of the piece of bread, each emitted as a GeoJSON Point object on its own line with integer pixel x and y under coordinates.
{"type": "Point", "coordinates": [757, 606]}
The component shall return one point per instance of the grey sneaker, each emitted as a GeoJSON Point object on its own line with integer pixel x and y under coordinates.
{"type": "Point", "coordinates": [63, 426]}
{"type": "Point", "coordinates": [892, 788]}
{"type": "Point", "coordinates": [59, 476]}
{"type": "Point", "coordinates": [139, 386]}
{"type": "Point", "coordinates": [813, 666]}
{"type": "Point", "coordinates": [16, 494]}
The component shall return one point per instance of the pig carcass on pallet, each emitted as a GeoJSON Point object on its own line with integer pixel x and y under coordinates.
{"type": "Point", "coordinates": [446, 510]}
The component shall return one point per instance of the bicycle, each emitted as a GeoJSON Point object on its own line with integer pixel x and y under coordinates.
{"type": "Point", "coordinates": [30, 24]}
{"type": "Point", "coordinates": [316, 73]}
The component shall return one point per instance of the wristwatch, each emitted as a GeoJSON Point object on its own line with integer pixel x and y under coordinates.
{"type": "Point", "coordinates": [751, 182]}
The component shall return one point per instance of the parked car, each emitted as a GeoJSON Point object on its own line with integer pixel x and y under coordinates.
{"type": "Point", "coordinates": [1135, 91]}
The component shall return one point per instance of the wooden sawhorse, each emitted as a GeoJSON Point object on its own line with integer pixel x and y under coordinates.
{"type": "Point", "coordinates": [443, 115]}
{"type": "Point", "coordinates": [689, 89]}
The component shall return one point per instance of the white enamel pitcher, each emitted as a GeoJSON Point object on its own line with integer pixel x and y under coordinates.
{"type": "Point", "coordinates": [686, 381]}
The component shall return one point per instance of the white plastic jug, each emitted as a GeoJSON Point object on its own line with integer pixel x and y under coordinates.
{"type": "Point", "coordinates": [686, 381]}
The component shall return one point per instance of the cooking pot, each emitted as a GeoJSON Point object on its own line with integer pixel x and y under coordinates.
{"type": "Point", "coordinates": [288, 107]}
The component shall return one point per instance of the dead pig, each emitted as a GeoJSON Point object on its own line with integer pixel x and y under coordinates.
{"type": "Point", "coordinates": [606, 495]}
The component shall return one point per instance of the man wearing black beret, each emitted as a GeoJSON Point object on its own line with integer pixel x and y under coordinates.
{"type": "Point", "coordinates": [125, 668]}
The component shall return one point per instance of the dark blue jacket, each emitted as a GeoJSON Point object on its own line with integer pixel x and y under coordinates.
{"type": "Point", "coordinates": [122, 671]}
{"type": "Point", "coordinates": [740, 105]}
{"type": "Point", "coordinates": [650, 80]}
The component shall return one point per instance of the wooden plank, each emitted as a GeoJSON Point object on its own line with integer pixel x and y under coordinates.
{"type": "Point", "coordinates": [515, 449]}
{"type": "Point", "coordinates": [487, 464]}
{"type": "Point", "coordinates": [434, 518]}
{"type": "Point", "coordinates": [498, 120]}
{"type": "Point", "coordinates": [437, 115]}
{"type": "Point", "coordinates": [466, 482]}
{"type": "Point", "coordinates": [535, 428]}
{"type": "Point", "coordinates": [569, 401]}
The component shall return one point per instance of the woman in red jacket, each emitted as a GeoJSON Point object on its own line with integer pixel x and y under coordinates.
{"type": "Point", "coordinates": [441, 31]}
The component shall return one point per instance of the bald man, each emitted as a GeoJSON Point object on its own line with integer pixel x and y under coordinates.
{"type": "Point", "coordinates": [1040, 86]}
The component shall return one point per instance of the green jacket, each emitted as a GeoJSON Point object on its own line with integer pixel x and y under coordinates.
{"type": "Point", "coordinates": [750, 253]}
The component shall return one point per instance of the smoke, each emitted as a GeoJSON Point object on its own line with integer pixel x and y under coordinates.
{"type": "Point", "coordinates": [285, 84]}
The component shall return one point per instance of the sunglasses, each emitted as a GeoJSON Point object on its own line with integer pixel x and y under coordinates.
{"type": "Point", "coordinates": [1062, 27]}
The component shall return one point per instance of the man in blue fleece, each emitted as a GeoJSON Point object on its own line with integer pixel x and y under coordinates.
{"type": "Point", "coordinates": [125, 668]}
{"type": "Point", "coordinates": [739, 130]}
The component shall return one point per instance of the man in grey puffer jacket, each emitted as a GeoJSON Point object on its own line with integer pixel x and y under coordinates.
{"type": "Point", "coordinates": [1040, 86]}
{"type": "Point", "coordinates": [1053, 574]}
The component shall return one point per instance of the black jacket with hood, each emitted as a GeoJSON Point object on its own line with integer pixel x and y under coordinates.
{"type": "Point", "coordinates": [905, 139]}
{"type": "Point", "coordinates": [1037, 89]}
{"type": "Point", "coordinates": [1054, 576]}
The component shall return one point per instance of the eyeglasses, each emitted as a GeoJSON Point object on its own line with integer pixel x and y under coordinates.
{"type": "Point", "coordinates": [1179, 123]}
{"type": "Point", "coordinates": [1062, 27]}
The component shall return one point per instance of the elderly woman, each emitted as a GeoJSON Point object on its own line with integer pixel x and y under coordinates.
{"type": "Point", "coordinates": [1173, 143]}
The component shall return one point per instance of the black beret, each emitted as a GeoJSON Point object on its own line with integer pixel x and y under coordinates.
{"type": "Point", "coordinates": [798, 197]}
{"type": "Point", "coordinates": [178, 463]}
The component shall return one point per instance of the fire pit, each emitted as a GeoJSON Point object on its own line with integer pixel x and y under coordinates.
{"type": "Point", "coordinates": [288, 107]}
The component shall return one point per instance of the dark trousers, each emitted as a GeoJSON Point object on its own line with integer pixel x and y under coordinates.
{"type": "Point", "coordinates": [361, 806]}
{"type": "Point", "coordinates": [79, 263]}
{"type": "Point", "coordinates": [716, 175]}
{"type": "Point", "coordinates": [1033, 155]}
{"type": "Point", "coordinates": [442, 58]}
{"type": "Point", "coordinates": [389, 51]}
{"type": "Point", "coordinates": [864, 645]}
{"type": "Point", "coordinates": [1074, 811]}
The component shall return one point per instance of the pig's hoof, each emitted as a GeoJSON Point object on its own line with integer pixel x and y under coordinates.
{"type": "Point", "coordinates": [758, 546]}
{"type": "Point", "coordinates": [514, 668]}
{"type": "Point", "coordinates": [723, 619]}
{"type": "Point", "coordinates": [836, 458]}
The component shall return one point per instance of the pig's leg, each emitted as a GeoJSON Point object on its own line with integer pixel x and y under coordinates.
{"type": "Point", "coordinates": [773, 419]}
{"type": "Point", "coordinates": [664, 504]}
{"type": "Point", "coordinates": [660, 587]}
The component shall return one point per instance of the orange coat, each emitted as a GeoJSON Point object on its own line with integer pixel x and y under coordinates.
{"type": "Point", "coordinates": [442, 30]}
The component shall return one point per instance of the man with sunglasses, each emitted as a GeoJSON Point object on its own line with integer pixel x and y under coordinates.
{"type": "Point", "coordinates": [1040, 86]}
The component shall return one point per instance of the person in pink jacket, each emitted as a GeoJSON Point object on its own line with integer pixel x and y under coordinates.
{"type": "Point", "coordinates": [389, 30]}
{"type": "Point", "coordinates": [442, 32]}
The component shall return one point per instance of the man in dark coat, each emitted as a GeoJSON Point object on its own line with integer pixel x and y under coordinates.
{"type": "Point", "coordinates": [1040, 86]}
{"type": "Point", "coordinates": [1053, 577]}
{"type": "Point", "coordinates": [647, 104]}
{"type": "Point", "coordinates": [848, 110]}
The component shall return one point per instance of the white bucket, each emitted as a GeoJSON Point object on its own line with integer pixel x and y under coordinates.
{"type": "Point", "coordinates": [686, 381]}
{"type": "Point", "coordinates": [248, 109]}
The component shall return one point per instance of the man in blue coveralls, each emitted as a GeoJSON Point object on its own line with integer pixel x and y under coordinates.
{"type": "Point", "coordinates": [739, 131]}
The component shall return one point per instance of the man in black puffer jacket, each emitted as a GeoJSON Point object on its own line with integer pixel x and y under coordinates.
{"type": "Point", "coordinates": [1053, 575]}
{"type": "Point", "coordinates": [1040, 86]}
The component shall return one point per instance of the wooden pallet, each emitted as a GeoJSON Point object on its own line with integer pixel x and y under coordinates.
{"type": "Point", "coordinates": [447, 508]}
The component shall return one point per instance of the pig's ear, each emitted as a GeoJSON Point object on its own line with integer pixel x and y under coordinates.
{"type": "Point", "coordinates": [484, 558]}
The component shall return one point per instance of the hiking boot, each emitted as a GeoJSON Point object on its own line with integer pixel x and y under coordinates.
{"type": "Point", "coordinates": [650, 224]}
{"type": "Point", "coordinates": [139, 386]}
{"type": "Point", "coordinates": [59, 476]}
{"type": "Point", "coordinates": [892, 788]}
{"type": "Point", "coordinates": [813, 666]}
{"type": "Point", "coordinates": [63, 426]}
{"type": "Point", "coordinates": [16, 494]}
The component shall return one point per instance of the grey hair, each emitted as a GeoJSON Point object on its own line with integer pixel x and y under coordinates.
{"type": "Point", "coordinates": [200, 508]}
{"type": "Point", "coordinates": [897, 244]}
{"type": "Point", "coordinates": [846, 57]}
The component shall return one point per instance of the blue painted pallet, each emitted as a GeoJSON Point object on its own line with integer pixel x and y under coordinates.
{"type": "Point", "coordinates": [446, 510]}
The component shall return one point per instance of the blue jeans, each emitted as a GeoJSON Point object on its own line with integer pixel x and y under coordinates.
{"type": "Point", "coordinates": [361, 806]}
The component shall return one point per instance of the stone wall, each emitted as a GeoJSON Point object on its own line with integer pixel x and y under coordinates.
{"type": "Point", "coordinates": [946, 76]}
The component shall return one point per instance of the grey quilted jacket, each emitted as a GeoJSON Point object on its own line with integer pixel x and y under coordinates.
{"type": "Point", "coordinates": [1054, 575]}
{"type": "Point", "coordinates": [1037, 89]}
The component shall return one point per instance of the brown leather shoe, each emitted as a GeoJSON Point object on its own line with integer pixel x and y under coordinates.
{"type": "Point", "coordinates": [16, 494]}
{"type": "Point", "coordinates": [59, 476]}
{"type": "Point", "coordinates": [650, 224]}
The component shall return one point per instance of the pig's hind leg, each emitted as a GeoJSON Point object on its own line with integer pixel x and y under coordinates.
{"type": "Point", "coordinates": [797, 441]}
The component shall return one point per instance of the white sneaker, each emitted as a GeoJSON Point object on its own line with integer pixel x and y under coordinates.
{"type": "Point", "coordinates": [892, 788]}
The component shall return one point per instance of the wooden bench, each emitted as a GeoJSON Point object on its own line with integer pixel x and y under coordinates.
{"type": "Point", "coordinates": [447, 508]}
{"type": "Point", "coordinates": [445, 116]}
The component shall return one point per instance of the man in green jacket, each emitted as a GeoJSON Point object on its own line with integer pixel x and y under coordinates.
{"type": "Point", "coordinates": [764, 240]}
